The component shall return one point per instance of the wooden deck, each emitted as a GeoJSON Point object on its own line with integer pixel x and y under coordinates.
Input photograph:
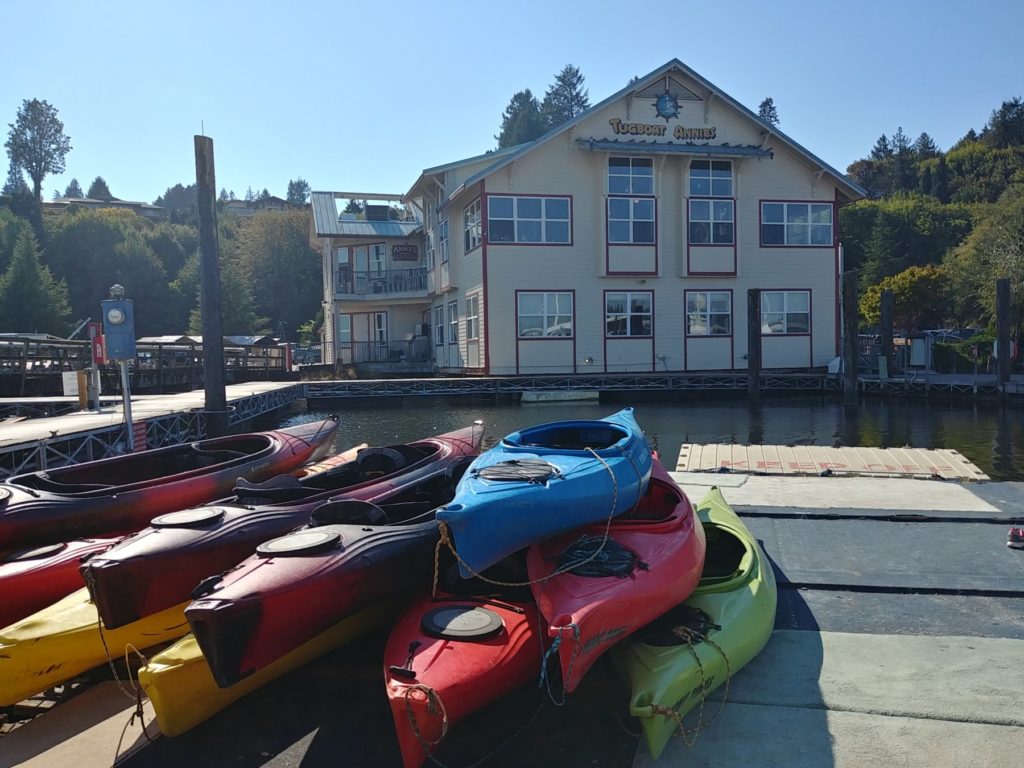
{"type": "Point", "coordinates": [819, 459]}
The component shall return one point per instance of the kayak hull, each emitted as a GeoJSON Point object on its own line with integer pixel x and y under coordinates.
{"type": "Point", "coordinates": [184, 694]}
{"type": "Point", "coordinates": [737, 593]}
{"type": "Point", "coordinates": [596, 470]}
{"type": "Point", "coordinates": [123, 493]}
{"type": "Point", "coordinates": [592, 613]}
{"type": "Point", "coordinates": [64, 640]}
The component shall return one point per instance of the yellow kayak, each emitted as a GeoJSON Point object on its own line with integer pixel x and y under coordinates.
{"type": "Point", "coordinates": [331, 462]}
{"type": "Point", "coordinates": [63, 640]}
{"type": "Point", "coordinates": [728, 618]}
{"type": "Point", "coordinates": [179, 683]}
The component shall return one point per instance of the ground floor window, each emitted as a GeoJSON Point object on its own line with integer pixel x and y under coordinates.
{"type": "Point", "coordinates": [785, 312]}
{"type": "Point", "coordinates": [541, 313]}
{"type": "Point", "coordinates": [344, 329]}
{"type": "Point", "coordinates": [439, 325]}
{"type": "Point", "coordinates": [708, 313]}
{"type": "Point", "coordinates": [628, 313]}
{"type": "Point", "coordinates": [453, 322]}
{"type": "Point", "coordinates": [472, 318]}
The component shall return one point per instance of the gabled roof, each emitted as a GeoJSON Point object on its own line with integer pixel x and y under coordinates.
{"type": "Point", "coordinates": [492, 155]}
{"type": "Point", "coordinates": [851, 189]}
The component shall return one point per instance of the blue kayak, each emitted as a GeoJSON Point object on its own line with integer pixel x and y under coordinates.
{"type": "Point", "coordinates": [543, 481]}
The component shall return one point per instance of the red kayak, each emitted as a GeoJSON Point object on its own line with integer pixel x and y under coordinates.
{"type": "Point", "coordinates": [352, 555]}
{"type": "Point", "coordinates": [124, 493]}
{"type": "Point", "coordinates": [449, 656]}
{"type": "Point", "coordinates": [161, 565]}
{"type": "Point", "coordinates": [651, 561]}
{"type": "Point", "coordinates": [32, 579]}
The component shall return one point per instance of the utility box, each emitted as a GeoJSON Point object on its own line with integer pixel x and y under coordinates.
{"type": "Point", "coordinates": [119, 328]}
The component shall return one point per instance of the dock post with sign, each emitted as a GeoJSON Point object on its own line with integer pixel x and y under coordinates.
{"type": "Point", "coordinates": [119, 341]}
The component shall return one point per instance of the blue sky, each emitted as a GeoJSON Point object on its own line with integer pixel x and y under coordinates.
{"type": "Point", "coordinates": [361, 96]}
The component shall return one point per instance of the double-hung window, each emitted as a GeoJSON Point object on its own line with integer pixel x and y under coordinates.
{"type": "Point", "coordinates": [442, 240]}
{"type": "Point", "coordinates": [785, 312]}
{"type": "Point", "coordinates": [430, 250]}
{"type": "Point", "coordinates": [453, 322]}
{"type": "Point", "coordinates": [628, 314]}
{"type": "Point", "coordinates": [471, 226]}
{"type": "Point", "coordinates": [472, 318]}
{"type": "Point", "coordinates": [708, 313]}
{"type": "Point", "coordinates": [439, 325]}
{"type": "Point", "coordinates": [712, 221]}
{"type": "Point", "coordinates": [631, 207]}
{"type": "Point", "coordinates": [808, 224]}
{"type": "Point", "coordinates": [539, 313]}
{"type": "Point", "coordinates": [514, 219]}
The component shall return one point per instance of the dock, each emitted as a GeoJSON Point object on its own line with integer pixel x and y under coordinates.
{"type": "Point", "coordinates": [898, 639]}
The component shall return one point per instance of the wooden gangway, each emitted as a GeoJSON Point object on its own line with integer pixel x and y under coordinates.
{"type": "Point", "coordinates": [820, 459]}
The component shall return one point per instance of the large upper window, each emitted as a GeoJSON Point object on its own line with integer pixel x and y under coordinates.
{"type": "Point", "coordinates": [711, 222]}
{"type": "Point", "coordinates": [630, 176]}
{"type": "Point", "coordinates": [627, 314]}
{"type": "Point", "coordinates": [453, 322]}
{"type": "Point", "coordinates": [471, 233]}
{"type": "Point", "coordinates": [711, 178]}
{"type": "Point", "coordinates": [430, 249]}
{"type": "Point", "coordinates": [708, 313]}
{"type": "Point", "coordinates": [442, 240]}
{"type": "Point", "coordinates": [528, 219]}
{"type": "Point", "coordinates": [631, 220]}
{"type": "Point", "coordinates": [472, 317]}
{"type": "Point", "coordinates": [785, 312]}
{"type": "Point", "coordinates": [544, 314]}
{"type": "Point", "coordinates": [796, 224]}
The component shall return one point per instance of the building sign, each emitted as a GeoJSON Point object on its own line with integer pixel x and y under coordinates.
{"type": "Point", "coordinates": [405, 252]}
{"type": "Point", "coordinates": [650, 129]}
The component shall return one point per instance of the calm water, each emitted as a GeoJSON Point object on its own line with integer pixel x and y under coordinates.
{"type": "Point", "coordinates": [991, 438]}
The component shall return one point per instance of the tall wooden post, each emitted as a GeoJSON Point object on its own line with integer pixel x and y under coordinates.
{"type": "Point", "coordinates": [209, 268]}
{"type": "Point", "coordinates": [754, 343]}
{"type": "Point", "coordinates": [1003, 329]}
{"type": "Point", "coordinates": [887, 306]}
{"type": "Point", "coordinates": [850, 337]}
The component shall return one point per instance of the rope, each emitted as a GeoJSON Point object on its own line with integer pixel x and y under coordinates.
{"type": "Point", "coordinates": [615, 560]}
{"type": "Point", "coordinates": [544, 680]}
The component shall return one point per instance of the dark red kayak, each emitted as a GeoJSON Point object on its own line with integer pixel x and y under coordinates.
{"type": "Point", "coordinates": [161, 565]}
{"type": "Point", "coordinates": [353, 555]}
{"type": "Point", "coordinates": [650, 561]}
{"type": "Point", "coordinates": [32, 579]}
{"type": "Point", "coordinates": [451, 655]}
{"type": "Point", "coordinates": [124, 493]}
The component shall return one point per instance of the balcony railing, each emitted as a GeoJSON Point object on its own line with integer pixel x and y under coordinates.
{"type": "Point", "coordinates": [376, 282]}
{"type": "Point", "coordinates": [412, 351]}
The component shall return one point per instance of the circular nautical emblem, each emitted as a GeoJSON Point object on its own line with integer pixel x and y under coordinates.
{"type": "Point", "coordinates": [667, 106]}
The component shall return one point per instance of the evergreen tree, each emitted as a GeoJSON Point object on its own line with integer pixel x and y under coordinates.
{"type": "Point", "coordinates": [223, 196]}
{"type": "Point", "coordinates": [1005, 128]}
{"type": "Point", "coordinates": [298, 192]}
{"type": "Point", "coordinates": [353, 207]}
{"type": "Point", "coordinates": [99, 190]}
{"type": "Point", "coordinates": [522, 120]}
{"type": "Point", "coordinates": [74, 189]}
{"type": "Point", "coordinates": [15, 184]}
{"type": "Point", "coordinates": [925, 147]}
{"type": "Point", "coordinates": [566, 97]}
{"type": "Point", "coordinates": [766, 111]}
{"type": "Point", "coordinates": [264, 194]}
{"type": "Point", "coordinates": [250, 196]}
{"type": "Point", "coordinates": [903, 175]}
{"type": "Point", "coordinates": [12, 227]}
{"type": "Point", "coordinates": [31, 300]}
{"type": "Point", "coordinates": [882, 149]}
{"type": "Point", "coordinates": [36, 143]}
{"type": "Point", "coordinates": [940, 184]}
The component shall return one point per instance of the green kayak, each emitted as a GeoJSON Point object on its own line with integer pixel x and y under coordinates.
{"type": "Point", "coordinates": [729, 616]}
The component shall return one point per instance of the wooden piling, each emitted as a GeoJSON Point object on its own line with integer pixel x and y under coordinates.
{"type": "Point", "coordinates": [754, 343]}
{"type": "Point", "coordinates": [887, 306]}
{"type": "Point", "coordinates": [850, 316]}
{"type": "Point", "coordinates": [1003, 330]}
{"type": "Point", "coordinates": [210, 300]}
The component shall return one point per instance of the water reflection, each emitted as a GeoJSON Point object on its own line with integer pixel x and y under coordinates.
{"type": "Point", "coordinates": [987, 436]}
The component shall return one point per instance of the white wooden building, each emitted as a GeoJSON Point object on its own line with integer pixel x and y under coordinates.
{"type": "Point", "coordinates": [624, 240]}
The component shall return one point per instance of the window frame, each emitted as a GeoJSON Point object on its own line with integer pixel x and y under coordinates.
{"type": "Point", "coordinates": [429, 256]}
{"type": "Point", "coordinates": [698, 165]}
{"type": "Point", "coordinates": [443, 246]}
{"type": "Point", "coordinates": [453, 321]}
{"type": "Point", "coordinates": [712, 202]}
{"type": "Point", "coordinates": [633, 198]}
{"type": "Point", "coordinates": [473, 317]}
{"type": "Point", "coordinates": [516, 219]}
{"type": "Point", "coordinates": [439, 330]}
{"type": "Point", "coordinates": [472, 231]}
{"type": "Point", "coordinates": [546, 316]}
{"type": "Point", "coordinates": [786, 224]}
{"type": "Point", "coordinates": [629, 314]}
{"type": "Point", "coordinates": [785, 312]}
{"type": "Point", "coordinates": [631, 176]}
{"type": "Point", "coordinates": [706, 313]}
